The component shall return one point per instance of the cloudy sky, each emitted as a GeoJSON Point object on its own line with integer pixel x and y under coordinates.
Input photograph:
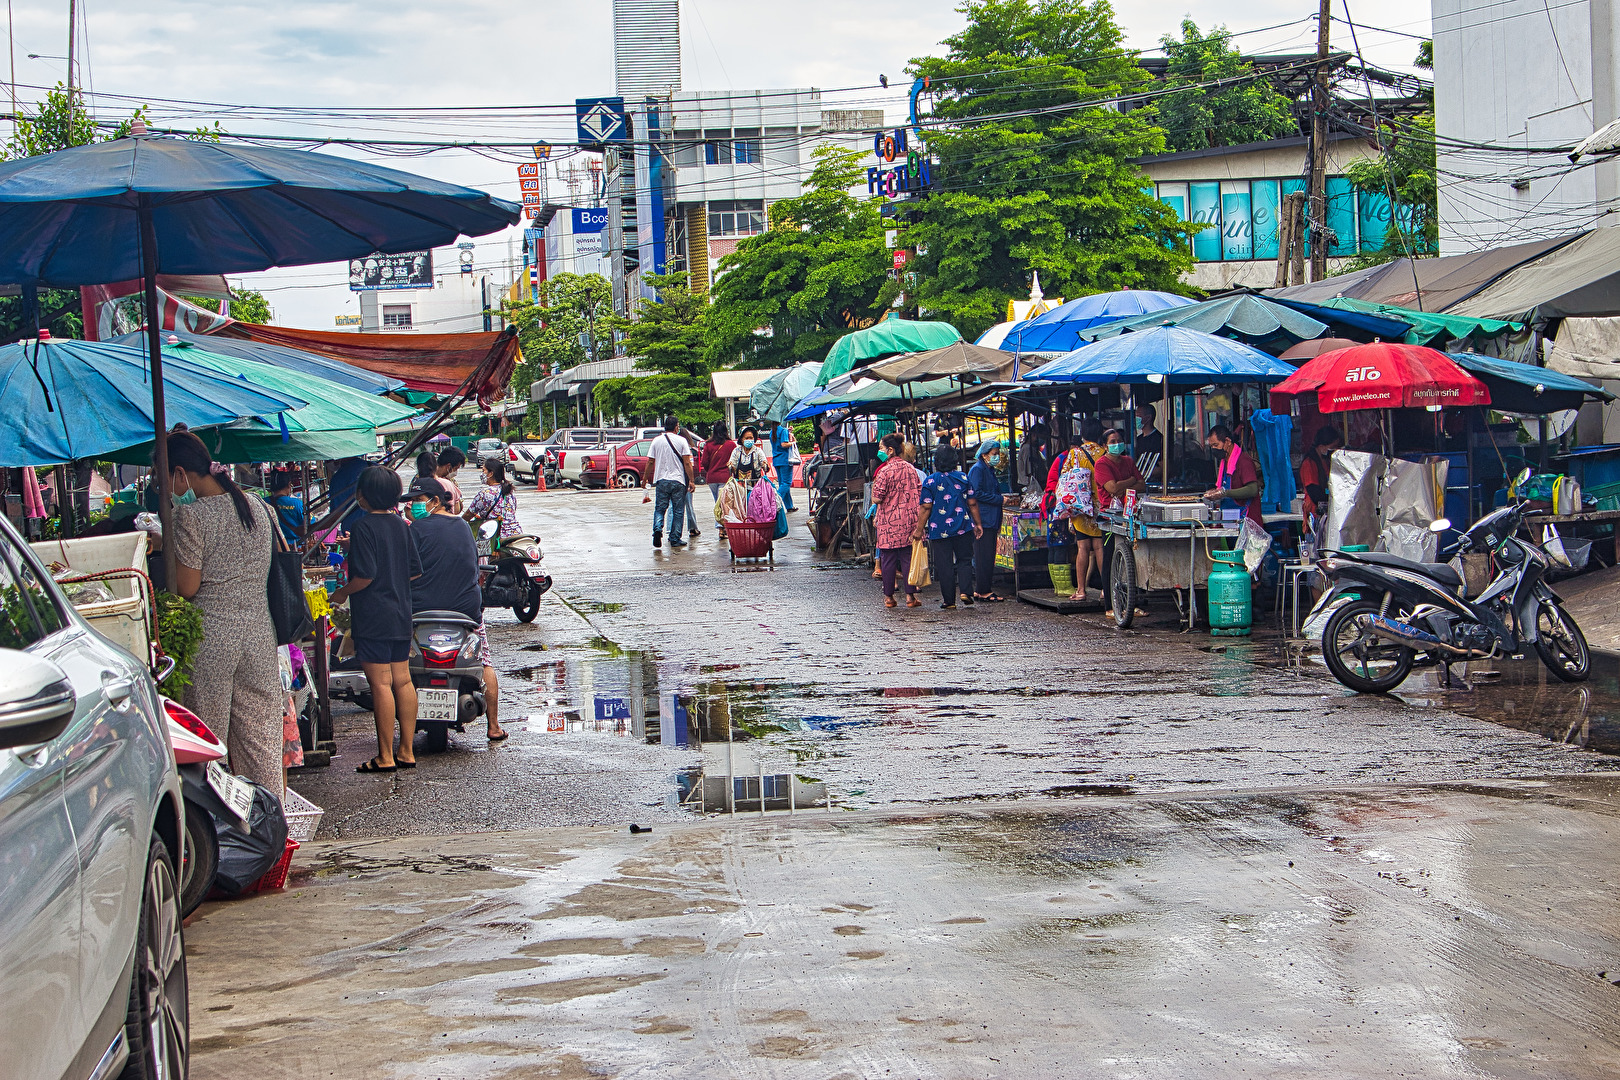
{"type": "Point", "coordinates": [358, 54]}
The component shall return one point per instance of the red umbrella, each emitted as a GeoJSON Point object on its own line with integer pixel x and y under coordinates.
{"type": "Point", "coordinates": [1383, 375]}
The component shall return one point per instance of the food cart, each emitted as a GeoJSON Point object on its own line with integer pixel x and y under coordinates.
{"type": "Point", "coordinates": [1162, 544]}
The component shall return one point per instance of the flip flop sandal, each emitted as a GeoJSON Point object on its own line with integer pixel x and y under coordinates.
{"type": "Point", "coordinates": [375, 765]}
{"type": "Point", "coordinates": [992, 598]}
{"type": "Point", "coordinates": [398, 764]}
{"type": "Point", "coordinates": [502, 737]}
{"type": "Point", "coordinates": [889, 601]}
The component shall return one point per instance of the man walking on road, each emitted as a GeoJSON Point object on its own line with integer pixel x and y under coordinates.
{"type": "Point", "coordinates": [781, 449]}
{"type": "Point", "coordinates": [672, 480]}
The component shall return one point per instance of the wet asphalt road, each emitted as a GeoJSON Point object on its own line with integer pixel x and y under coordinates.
{"type": "Point", "coordinates": [1024, 846]}
{"type": "Point", "coordinates": [901, 706]}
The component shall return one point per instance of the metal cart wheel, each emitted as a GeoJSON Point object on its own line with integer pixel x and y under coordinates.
{"type": "Point", "coordinates": [1122, 583]}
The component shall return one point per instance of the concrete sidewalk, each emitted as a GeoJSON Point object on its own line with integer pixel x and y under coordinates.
{"type": "Point", "coordinates": [1434, 931]}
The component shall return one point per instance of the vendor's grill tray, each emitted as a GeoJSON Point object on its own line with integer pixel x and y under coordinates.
{"type": "Point", "coordinates": [1171, 508]}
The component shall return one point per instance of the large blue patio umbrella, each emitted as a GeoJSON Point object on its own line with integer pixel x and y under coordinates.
{"type": "Point", "coordinates": [144, 205]}
{"type": "Point", "coordinates": [67, 400]}
{"type": "Point", "coordinates": [306, 363]}
{"type": "Point", "coordinates": [1058, 330]}
{"type": "Point", "coordinates": [1164, 356]}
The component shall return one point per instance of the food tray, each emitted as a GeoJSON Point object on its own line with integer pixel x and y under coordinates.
{"type": "Point", "coordinates": [303, 816]}
{"type": "Point", "coordinates": [1150, 511]}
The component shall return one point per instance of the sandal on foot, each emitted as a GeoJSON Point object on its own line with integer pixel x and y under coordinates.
{"type": "Point", "coordinates": [375, 765]}
{"type": "Point", "coordinates": [398, 764]}
{"type": "Point", "coordinates": [889, 601]}
{"type": "Point", "coordinates": [989, 598]}
{"type": "Point", "coordinates": [913, 602]}
{"type": "Point", "coordinates": [499, 738]}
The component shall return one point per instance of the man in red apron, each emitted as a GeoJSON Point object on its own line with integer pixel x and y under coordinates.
{"type": "Point", "coordinates": [1237, 474]}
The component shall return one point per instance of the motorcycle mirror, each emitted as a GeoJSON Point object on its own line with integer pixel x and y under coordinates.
{"type": "Point", "coordinates": [1523, 476]}
{"type": "Point", "coordinates": [486, 531]}
{"type": "Point", "coordinates": [1439, 525]}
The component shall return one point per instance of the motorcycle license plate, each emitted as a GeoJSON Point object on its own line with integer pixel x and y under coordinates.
{"type": "Point", "coordinates": [532, 569]}
{"type": "Point", "coordinates": [483, 547]}
{"type": "Point", "coordinates": [236, 792]}
{"type": "Point", "coordinates": [435, 704]}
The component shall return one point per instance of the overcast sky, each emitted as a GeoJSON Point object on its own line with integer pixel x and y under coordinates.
{"type": "Point", "coordinates": [353, 54]}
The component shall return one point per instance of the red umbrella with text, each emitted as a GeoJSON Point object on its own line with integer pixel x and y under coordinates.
{"type": "Point", "coordinates": [1383, 375]}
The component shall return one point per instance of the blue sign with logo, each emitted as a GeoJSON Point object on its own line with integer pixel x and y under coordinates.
{"type": "Point", "coordinates": [601, 121]}
{"type": "Point", "coordinates": [590, 219]}
{"type": "Point", "coordinates": [612, 708]}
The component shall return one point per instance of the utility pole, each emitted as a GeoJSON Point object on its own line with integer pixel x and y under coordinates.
{"type": "Point", "coordinates": [73, 22]}
{"type": "Point", "coordinates": [1319, 133]}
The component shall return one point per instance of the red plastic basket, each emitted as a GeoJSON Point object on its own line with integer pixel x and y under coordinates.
{"type": "Point", "coordinates": [276, 876]}
{"type": "Point", "coordinates": [750, 539]}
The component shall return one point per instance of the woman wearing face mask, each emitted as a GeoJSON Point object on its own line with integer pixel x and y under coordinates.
{"type": "Point", "coordinates": [222, 541]}
{"type": "Point", "coordinates": [450, 460]}
{"type": "Point", "coordinates": [987, 491]}
{"type": "Point", "coordinates": [895, 491]}
{"type": "Point", "coordinates": [750, 462]}
{"type": "Point", "coordinates": [1116, 472]}
{"type": "Point", "coordinates": [497, 500]}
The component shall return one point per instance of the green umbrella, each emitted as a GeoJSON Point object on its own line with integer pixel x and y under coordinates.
{"type": "Point", "coordinates": [773, 398]}
{"type": "Point", "coordinates": [887, 338]}
{"type": "Point", "coordinates": [338, 422]}
{"type": "Point", "coordinates": [1252, 319]}
{"type": "Point", "coordinates": [1428, 327]}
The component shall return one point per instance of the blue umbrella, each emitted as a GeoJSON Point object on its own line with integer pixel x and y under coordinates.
{"type": "Point", "coordinates": [305, 363]}
{"type": "Point", "coordinates": [1058, 330]}
{"type": "Point", "coordinates": [1172, 355]}
{"type": "Point", "coordinates": [67, 400]}
{"type": "Point", "coordinates": [144, 205]}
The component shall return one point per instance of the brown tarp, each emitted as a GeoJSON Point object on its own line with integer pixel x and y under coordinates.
{"type": "Point", "coordinates": [438, 363]}
{"type": "Point", "coordinates": [1440, 285]}
{"type": "Point", "coordinates": [1579, 280]}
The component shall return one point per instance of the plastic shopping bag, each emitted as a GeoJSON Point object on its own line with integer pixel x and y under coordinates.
{"type": "Point", "coordinates": [919, 565]}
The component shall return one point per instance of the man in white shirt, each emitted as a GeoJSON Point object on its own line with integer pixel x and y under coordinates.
{"type": "Point", "coordinates": [672, 480]}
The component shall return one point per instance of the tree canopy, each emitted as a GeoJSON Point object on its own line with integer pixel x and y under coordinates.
{"type": "Point", "coordinates": [1404, 173]}
{"type": "Point", "coordinates": [667, 340]}
{"type": "Point", "coordinates": [1223, 116]}
{"type": "Point", "coordinates": [818, 272]}
{"type": "Point", "coordinates": [249, 305]}
{"type": "Point", "coordinates": [1034, 168]}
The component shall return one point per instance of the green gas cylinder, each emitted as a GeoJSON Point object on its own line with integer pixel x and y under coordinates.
{"type": "Point", "coordinates": [1231, 607]}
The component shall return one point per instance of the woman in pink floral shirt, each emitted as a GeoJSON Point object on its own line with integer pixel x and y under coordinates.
{"type": "Point", "coordinates": [895, 490]}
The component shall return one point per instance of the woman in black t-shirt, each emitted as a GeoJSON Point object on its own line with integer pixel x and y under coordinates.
{"type": "Point", "coordinates": [382, 562]}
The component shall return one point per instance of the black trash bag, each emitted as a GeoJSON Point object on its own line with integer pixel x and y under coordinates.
{"type": "Point", "coordinates": [245, 857]}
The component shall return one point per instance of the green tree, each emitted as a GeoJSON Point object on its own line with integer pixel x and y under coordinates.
{"type": "Point", "coordinates": [570, 311]}
{"type": "Point", "coordinates": [1035, 168]}
{"type": "Point", "coordinates": [818, 272]}
{"type": "Point", "coordinates": [666, 339]}
{"type": "Point", "coordinates": [1226, 116]}
{"type": "Point", "coordinates": [1405, 174]}
{"type": "Point", "coordinates": [249, 305]}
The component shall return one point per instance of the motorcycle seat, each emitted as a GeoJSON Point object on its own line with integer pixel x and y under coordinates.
{"type": "Point", "coordinates": [1444, 574]}
{"type": "Point", "coordinates": [443, 616]}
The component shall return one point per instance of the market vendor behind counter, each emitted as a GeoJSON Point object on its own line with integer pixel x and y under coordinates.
{"type": "Point", "coordinates": [1238, 483]}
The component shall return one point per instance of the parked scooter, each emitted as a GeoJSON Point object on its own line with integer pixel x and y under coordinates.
{"type": "Point", "coordinates": [511, 574]}
{"type": "Point", "coordinates": [209, 791]}
{"type": "Point", "coordinates": [447, 674]}
{"type": "Point", "coordinates": [1389, 609]}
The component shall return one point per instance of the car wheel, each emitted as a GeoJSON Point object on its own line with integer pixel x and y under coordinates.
{"type": "Point", "coordinates": [158, 1027]}
{"type": "Point", "coordinates": [202, 859]}
{"type": "Point", "coordinates": [629, 478]}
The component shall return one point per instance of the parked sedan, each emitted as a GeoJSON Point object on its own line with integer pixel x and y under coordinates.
{"type": "Point", "coordinates": [524, 460]}
{"type": "Point", "coordinates": [92, 957]}
{"type": "Point", "coordinates": [631, 461]}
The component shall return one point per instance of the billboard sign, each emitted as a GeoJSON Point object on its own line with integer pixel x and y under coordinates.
{"type": "Point", "coordinates": [407, 270]}
{"type": "Point", "coordinates": [601, 121]}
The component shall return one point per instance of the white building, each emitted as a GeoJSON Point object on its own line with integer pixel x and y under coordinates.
{"type": "Point", "coordinates": [454, 305]}
{"type": "Point", "coordinates": [1525, 74]}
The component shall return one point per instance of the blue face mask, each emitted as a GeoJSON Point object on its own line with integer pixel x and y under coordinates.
{"type": "Point", "coordinates": [883, 455]}
{"type": "Point", "coordinates": [748, 442]}
{"type": "Point", "coordinates": [185, 497]}
{"type": "Point", "coordinates": [419, 511]}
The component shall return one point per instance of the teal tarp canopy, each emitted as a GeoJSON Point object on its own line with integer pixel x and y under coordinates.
{"type": "Point", "coordinates": [772, 399]}
{"type": "Point", "coordinates": [888, 338]}
{"type": "Point", "coordinates": [1251, 319]}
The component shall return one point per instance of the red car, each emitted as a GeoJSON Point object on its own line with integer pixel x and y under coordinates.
{"type": "Point", "coordinates": [631, 461]}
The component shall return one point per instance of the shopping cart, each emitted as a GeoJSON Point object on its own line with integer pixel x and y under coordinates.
{"type": "Point", "coordinates": [752, 540]}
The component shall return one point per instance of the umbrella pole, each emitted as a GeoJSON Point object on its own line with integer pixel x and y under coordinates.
{"type": "Point", "coordinates": [1170, 435]}
{"type": "Point", "coordinates": [160, 424]}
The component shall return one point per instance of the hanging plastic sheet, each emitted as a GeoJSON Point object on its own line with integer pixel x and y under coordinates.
{"type": "Point", "coordinates": [1352, 516]}
{"type": "Point", "coordinates": [1411, 496]}
{"type": "Point", "coordinates": [1271, 438]}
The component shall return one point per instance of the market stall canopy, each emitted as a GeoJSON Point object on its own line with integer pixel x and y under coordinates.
{"type": "Point", "coordinates": [1058, 331]}
{"type": "Point", "coordinates": [1426, 284]}
{"type": "Point", "coordinates": [776, 395]}
{"type": "Point", "coordinates": [871, 396]}
{"type": "Point", "coordinates": [1580, 279]}
{"type": "Point", "coordinates": [886, 338]}
{"type": "Point", "coordinates": [993, 337]}
{"type": "Point", "coordinates": [1251, 319]}
{"type": "Point", "coordinates": [1527, 389]}
{"type": "Point", "coordinates": [1302, 352]}
{"type": "Point", "coordinates": [278, 356]}
{"type": "Point", "coordinates": [69, 400]}
{"type": "Point", "coordinates": [69, 218]}
{"type": "Point", "coordinates": [1383, 375]}
{"type": "Point", "coordinates": [958, 358]}
{"type": "Point", "coordinates": [737, 385]}
{"type": "Point", "coordinates": [1427, 327]}
{"type": "Point", "coordinates": [438, 363]}
{"type": "Point", "coordinates": [1171, 355]}
{"type": "Point", "coordinates": [581, 379]}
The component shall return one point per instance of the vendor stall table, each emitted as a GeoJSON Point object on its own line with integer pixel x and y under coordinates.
{"type": "Point", "coordinates": [1589, 517]}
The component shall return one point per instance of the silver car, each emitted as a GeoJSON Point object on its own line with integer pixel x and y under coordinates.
{"type": "Point", "coordinates": [92, 960]}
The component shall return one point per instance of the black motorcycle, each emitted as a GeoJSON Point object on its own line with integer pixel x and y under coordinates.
{"type": "Point", "coordinates": [1386, 610]}
{"type": "Point", "coordinates": [447, 674]}
{"type": "Point", "coordinates": [510, 571]}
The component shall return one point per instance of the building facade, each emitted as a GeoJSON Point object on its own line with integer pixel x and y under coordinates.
{"type": "Point", "coordinates": [454, 305]}
{"type": "Point", "coordinates": [1521, 74]}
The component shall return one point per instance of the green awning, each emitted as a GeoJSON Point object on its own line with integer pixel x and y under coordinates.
{"type": "Point", "coordinates": [888, 338]}
{"type": "Point", "coordinates": [1428, 327]}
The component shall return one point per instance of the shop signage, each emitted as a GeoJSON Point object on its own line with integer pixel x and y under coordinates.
{"type": "Point", "coordinates": [529, 168]}
{"type": "Point", "coordinates": [346, 320]}
{"type": "Point", "coordinates": [601, 121]}
{"type": "Point", "coordinates": [407, 270]}
{"type": "Point", "coordinates": [911, 171]}
{"type": "Point", "coordinates": [901, 257]}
